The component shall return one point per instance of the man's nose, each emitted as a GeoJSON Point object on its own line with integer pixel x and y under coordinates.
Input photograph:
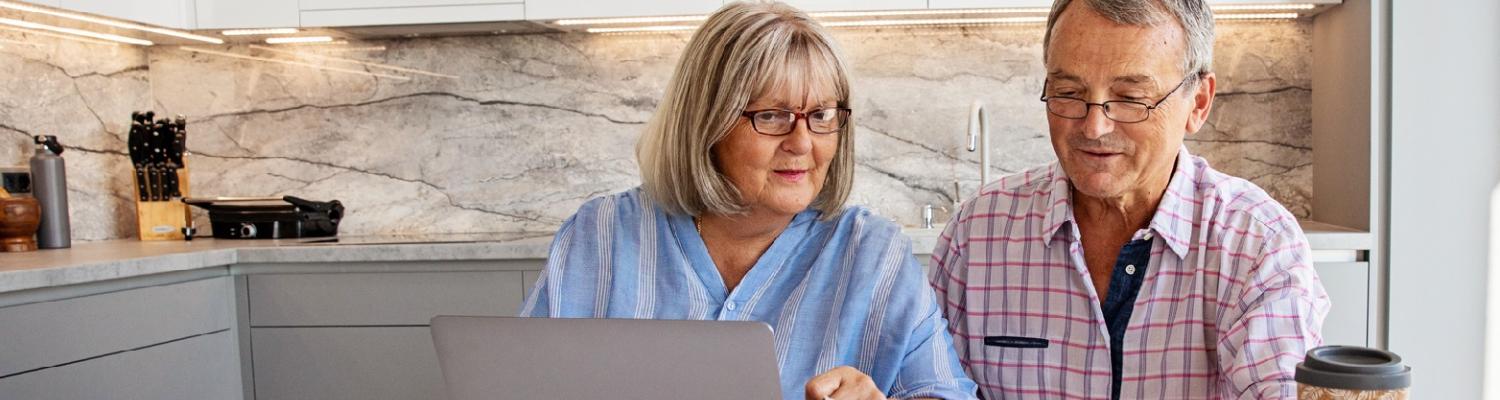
{"type": "Point", "coordinates": [1095, 124]}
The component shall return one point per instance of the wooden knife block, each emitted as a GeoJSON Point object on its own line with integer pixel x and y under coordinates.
{"type": "Point", "coordinates": [163, 220]}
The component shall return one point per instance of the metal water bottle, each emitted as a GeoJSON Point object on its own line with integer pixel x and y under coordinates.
{"type": "Point", "coordinates": [49, 183]}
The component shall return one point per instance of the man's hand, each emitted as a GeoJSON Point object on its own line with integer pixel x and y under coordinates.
{"type": "Point", "coordinates": [843, 383]}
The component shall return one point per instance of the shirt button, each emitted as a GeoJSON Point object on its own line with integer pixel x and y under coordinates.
{"type": "Point", "coordinates": [729, 306]}
{"type": "Point", "coordinates": [1129, 270]}
{"type": "Point", "coordinates": [1148, 235]}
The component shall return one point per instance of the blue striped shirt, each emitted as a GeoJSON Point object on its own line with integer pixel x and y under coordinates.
{"type": "Point", "coordinates": [841, 292]}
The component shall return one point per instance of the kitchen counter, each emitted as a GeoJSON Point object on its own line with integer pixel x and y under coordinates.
{"type": "Point", "coordinates": [117, 259]}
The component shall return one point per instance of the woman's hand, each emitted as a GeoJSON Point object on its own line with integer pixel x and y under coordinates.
{"type": "Point", "coordinates": [843, 383]}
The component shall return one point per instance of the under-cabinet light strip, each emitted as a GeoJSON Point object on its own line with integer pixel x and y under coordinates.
{"type": "Point", "coordinates": [346, 60]}
{"type": "Point", "coordinates": [108, 22]}
{"type": "Point", "coordinates": [295, 63]}
{"type": "Point", "coordinates": [72, 31]}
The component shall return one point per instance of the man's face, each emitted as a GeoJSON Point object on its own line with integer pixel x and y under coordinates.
{"type": "Point", "coordinates": [1098, 60]}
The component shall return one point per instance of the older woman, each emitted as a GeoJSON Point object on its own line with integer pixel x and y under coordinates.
{"type": "Point", "coordinates": [745, 169]}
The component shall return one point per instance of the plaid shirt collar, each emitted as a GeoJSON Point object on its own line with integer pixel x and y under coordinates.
{"type": "Point", "coordinates": [1178, 200]}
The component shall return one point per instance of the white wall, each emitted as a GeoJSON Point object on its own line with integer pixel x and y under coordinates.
{"type": "Point", "coordinates": [1444, 159]}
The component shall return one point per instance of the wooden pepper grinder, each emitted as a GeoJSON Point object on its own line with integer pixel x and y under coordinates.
{"type": "Point", "coordinates": [19, 219]}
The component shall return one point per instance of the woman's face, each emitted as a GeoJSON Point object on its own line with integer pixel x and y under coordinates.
{"type": "Point", "coordinates": [780, 175]}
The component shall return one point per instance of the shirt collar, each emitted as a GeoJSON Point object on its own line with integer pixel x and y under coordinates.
{"type": "Point", "coordinates": [1172, 214]}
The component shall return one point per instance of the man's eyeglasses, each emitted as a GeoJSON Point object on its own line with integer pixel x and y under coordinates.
{"type": "Point", "coordinates": [780, 122]}
{"type": "Point", "coordinates": [1123, 111]}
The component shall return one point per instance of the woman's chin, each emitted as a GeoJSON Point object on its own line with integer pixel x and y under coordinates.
{"type": "Point", "coordinates": [788, 205]}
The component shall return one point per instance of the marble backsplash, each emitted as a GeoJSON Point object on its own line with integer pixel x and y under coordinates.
{"type": "Point", "coordinates": [512, 133]}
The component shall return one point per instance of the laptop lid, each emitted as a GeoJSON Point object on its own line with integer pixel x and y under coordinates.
{"type": "Point", "coordinates": [558, 358]}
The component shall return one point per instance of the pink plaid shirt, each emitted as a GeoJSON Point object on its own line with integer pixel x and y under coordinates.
{"type": "Point", "coordinates": [1229, 306]}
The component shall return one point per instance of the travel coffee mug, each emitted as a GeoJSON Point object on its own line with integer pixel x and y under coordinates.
{"type": "Point", "coordinates": [1352, 372]}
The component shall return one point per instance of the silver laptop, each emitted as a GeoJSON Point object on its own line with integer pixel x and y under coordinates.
{"type": "Point", "coordinates": [545, 358]}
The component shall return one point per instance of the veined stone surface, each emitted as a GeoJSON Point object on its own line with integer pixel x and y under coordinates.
{"type": "Point", "coordinates": [522, 129]}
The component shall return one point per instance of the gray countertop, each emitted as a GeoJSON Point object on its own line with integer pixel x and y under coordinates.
{"type": "Point", "coordinates": [116, 259]}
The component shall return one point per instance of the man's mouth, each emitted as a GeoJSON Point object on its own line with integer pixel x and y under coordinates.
{"type": "Point", "coordinates": [1099, 154]}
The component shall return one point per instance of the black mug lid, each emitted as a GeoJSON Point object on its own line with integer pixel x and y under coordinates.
{"type": "Point", "coordinates": [1353, 367]}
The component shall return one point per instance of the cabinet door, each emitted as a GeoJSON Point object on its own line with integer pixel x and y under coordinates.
{"type": "Point", "coordinates": [857, 5]}
{"type": "Point", "coordinates": [349, 4]}
{"type": "Point", "coordinates": [57, 332]}
{"type": "Point", "coordinates": [226, 14]}
{"type": "Point", "coordinates": [558, 9]}
{"type": "Point", "coordinates": [365, 299]}
{"type": "Point", "coordinates": [952, 4]}
{"type": "Point", "coordinates": [367, 363]}
{"type": "Point", "coordinates": [513, 11]}
{"type": "Point", "coordinates": [169, 13]}
{"type": "Point", "coordinates": [1348, 286]}
{"type": "Point", "coordinates": [202, 367]}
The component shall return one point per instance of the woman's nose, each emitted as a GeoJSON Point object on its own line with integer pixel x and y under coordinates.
{"type": "Point", "coordinates": [799, 140]}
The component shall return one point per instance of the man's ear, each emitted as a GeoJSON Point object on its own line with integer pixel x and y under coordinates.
{"type": "Point", "coordinates": [1203, 102]}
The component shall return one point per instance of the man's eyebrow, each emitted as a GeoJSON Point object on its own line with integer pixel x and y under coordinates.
{"type": "Point", "coordinates": [1062, 76]}
{"type": "Point", "coordinates": [1135, 79]}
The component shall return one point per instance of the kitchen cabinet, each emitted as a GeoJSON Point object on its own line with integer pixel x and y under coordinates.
{"type": "Point", "coordinates": [168, 13]}
{"type": "Point", "coordinates": [531, 278]}
{"type": "Point", "coordinates": [203, 367]}
{"type": "Point", "coordinates": [1348, 288]}
{"type": "Point", "coordinates": [370, 299]}
{"type": "Point", "coordinates": [335, 13]}
{"type": "Point", "coordinates": [167, 341]}
{"type": "Point", "coordinates": [333, 363]}
{"type": "Point", "coordinates": [956, 4]}
{"type": "Point", "coordinates": [559, 9]}
{"type": "Point", "coordinates": [360, 330]}
{"type": "Point", "coordinates": [856, 5]}
{"type": "Point", "coordinates": [51, 333]}
{"type": "Point", "coordinates": [231, 14]}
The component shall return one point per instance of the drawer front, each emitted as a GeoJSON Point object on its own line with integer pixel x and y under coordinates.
{"type": "Point", "coordinates": [62, 331]}
{"type": "Point", "coordinates": [369, 363]}
{"type": "Point", "coordinates": [197, 368]}
{"type": "Point", "coordinates": [1348, 287]}
{"type": "Point", "coordinates": [381, 299]}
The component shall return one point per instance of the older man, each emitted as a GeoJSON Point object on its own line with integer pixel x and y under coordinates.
{"type": "Point", "coordinates": [1129, 268]}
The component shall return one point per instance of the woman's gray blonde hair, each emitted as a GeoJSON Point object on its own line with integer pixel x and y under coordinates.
{"type": "Point", "coordinates": [743, 51]}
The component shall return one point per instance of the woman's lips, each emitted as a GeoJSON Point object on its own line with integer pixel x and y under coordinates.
{"type": "Point", "coordinates": [791, 175]}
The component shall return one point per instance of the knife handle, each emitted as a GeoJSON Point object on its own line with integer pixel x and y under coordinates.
{"type": "Point", "coordinates": [140, 183]}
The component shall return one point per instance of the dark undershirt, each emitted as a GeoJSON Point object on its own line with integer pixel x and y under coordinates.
{"type": "Point", "coordinates": [1124, 286]}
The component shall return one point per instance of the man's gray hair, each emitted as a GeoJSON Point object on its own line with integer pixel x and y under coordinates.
{"type": "Point", "coordinates": [1194, 16]}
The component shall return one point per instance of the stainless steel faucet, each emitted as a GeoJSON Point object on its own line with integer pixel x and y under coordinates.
{"type": "Point", "coordinates": [927, 215]}
{"type": "Point", "coordinates": [979, 139]}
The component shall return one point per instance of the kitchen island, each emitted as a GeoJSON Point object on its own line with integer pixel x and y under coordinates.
{"type": "Point", "coordinates": [299, 319]}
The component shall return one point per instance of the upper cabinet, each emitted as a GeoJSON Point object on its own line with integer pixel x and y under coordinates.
{"type": "Point", "coordinates": [333, 13]}
{"type": "Point", "coordinates": [169, 13]}
{"type": "Point", "coordinates": [559, 9]}
{"type": "Point", "coordinates": [955, 4]}
{"type": "Point", "coordinates": [229, 14]}
{"type": "Point", "coordinates": [857, 5]}
{"type": "Point", "coordinates": [220, 14]}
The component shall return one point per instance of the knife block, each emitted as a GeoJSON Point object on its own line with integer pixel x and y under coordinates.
{"type": "Point", "coordinates": [163, 220]}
